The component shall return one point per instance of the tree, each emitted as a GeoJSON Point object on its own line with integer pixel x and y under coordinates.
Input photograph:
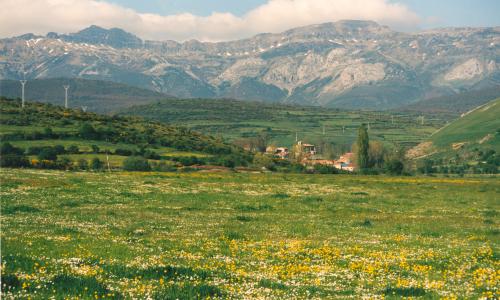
{"type": "Point", "coordinates": [261, 142]}
{"type": "Point", "coordinates": [87, 131]}
{"type": "Point", "coordinates": [96, 164]}
{"type": "Point", "coordinates": [363, 147]}
{"type": "Point", "coordinates": [327, 149]}
{"type": "Point", "coordinates": [376, 154]}
{"type": "Point", "coordinates": [48, 153]}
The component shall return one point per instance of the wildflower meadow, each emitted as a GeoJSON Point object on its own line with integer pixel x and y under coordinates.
{"type": "Point", "coordinates": [126, 235]}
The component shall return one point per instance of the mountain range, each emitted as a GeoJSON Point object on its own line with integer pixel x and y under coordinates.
{"type": "Point", "coordinates": [346, 64]}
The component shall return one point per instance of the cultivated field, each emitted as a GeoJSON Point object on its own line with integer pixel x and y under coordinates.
{"type": "Point", "coordinates": [235, 235]}
{"type": "Point", "coordinates": [239, 119]}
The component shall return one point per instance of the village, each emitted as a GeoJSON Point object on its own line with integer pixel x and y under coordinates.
{"type": "Point", "coordinates": [307, 155]}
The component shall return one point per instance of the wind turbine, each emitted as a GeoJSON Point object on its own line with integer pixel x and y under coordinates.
{"type": "Point", "coordinates": [23, 83]}
{"type": "Point", "coordinates": [66, 87]}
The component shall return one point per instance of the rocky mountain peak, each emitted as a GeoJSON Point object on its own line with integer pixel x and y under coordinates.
{"type": "Point", "coordinates": [348, 63]}
{"type": "Point", "coordinates": [114, 37]}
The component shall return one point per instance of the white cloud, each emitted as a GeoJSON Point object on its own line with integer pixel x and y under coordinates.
{"type": "Point", "coordinates": [41, 16]}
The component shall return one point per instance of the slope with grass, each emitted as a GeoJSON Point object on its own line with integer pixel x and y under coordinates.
{"type": "Point", "coordinates": [474, 127]}
{"type": "Point", "coordinates": [283, 123]}
{"type": "Point", "coordinates": [474, 133]}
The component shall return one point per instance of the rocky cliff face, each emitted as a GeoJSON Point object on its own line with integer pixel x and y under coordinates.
{"type": "Point", "coordinates": [355, 64]}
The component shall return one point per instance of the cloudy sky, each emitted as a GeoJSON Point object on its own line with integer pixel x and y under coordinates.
{"type": "Point", "coordinates": [218, 20]}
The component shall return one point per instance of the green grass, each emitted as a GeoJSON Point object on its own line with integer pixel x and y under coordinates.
{"type": "Point", "coordinates": [244, 235]}
{"type": "Point", "coordinates": [472, 127]}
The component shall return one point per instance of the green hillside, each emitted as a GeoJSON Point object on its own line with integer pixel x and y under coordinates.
{"type": "Point", "coordinates": [236, 120]}
{"type": "Point", "coordinates": [480, 127]}
{"type": "Point", "coordinates": [97, 95]}
{"type": "Point", "coordinates": [470, 144]}
{"type": "Point", "coordinates": [83, 135]}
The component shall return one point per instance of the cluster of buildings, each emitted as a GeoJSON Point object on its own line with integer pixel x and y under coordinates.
{"type": "Point", "coordinates": [308, 156]}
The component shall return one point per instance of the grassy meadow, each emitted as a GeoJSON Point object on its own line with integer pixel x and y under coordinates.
{"type": "Point", "coordinates": [203, 235]}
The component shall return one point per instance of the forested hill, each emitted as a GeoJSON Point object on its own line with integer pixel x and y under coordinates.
{"type": "Point", "coordinates": [45, 121]}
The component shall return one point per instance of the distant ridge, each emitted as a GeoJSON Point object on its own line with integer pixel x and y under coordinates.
{"type": "Point", "coordinates": [454, 104]}
{"type": "Point", "coordinates": [97, 95]}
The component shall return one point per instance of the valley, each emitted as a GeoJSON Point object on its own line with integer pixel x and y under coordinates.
{"type": "Point", "coordinates": [236, 120]}
{"type": "Point", "coordinates": [340, 160]}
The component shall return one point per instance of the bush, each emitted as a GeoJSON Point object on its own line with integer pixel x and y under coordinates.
{"type": "Point", "coordinates": [228, 162]}
{"type": "Point", "coordinates": [34, 150]}
{"type": "Point", "coordinates": [95, 149]}
{"type": "Point", "coordinates": [47, 153]}
{"type": "Point", "coordinates": [83, 164]}
{"type": "Point", "coordinates": [151, 155]}
{"type": "Point", "coordinates": [263, 160]}
{"type": "Point", "coordinates": [65, 163]}
{"type": "Point", "coordinates": [322, 169]}
{"type": "Point", "coordinates": [96, 164]}
{"type": "Point", "coordinates": [427, 167]}
{"type": "Point", "coordinates": [394, 167]}
{"type": "Point", "coordinates": [136, 163]}
{"type": "Point", "coordinates": [59, 149]}
{"type": "Point", "coordinates": [88, 132]}
{"type": "Point", "coordinates": [123, 152]}
{"type": "Point", "coordinates": [48, 133]}
{"type": "Point", "coordinates": [162, 166]}
{"type": "Point", "coordinates": [13, 161]}
{"type": "Point", "coordinates": [7, 148]}
{"type": "Point", "coordinates": [73, 149]}
{"type": "Point", "coordinates": [489, 168]}
{"type": "Point", "coordinates": [189, 160]}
